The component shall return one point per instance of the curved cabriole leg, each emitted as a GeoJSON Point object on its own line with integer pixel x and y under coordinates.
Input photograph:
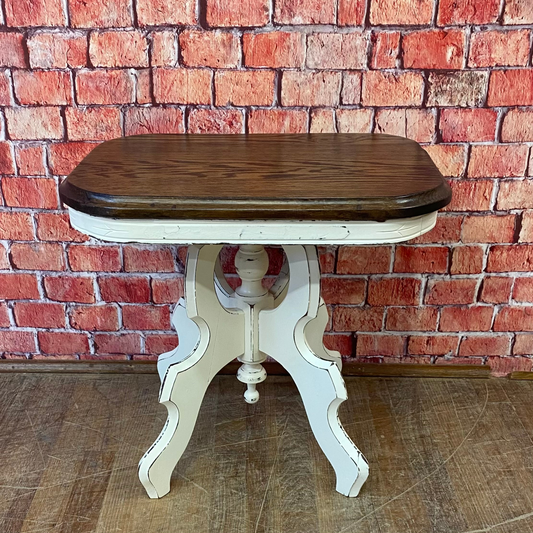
{"type": "Point", "coordinates": [210, 336]}
{"type": "Point", "coordinates": [292, 334]}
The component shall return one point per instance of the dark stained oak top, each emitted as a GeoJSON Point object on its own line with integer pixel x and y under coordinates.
{"type": "Point", "coordinates": [339, 176]}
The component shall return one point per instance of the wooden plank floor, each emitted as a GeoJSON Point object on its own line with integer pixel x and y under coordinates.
{"type": "Point", "coordinates": [450, 456]}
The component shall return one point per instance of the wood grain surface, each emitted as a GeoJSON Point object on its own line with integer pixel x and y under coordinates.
{"type": "Point", "coordinates": [446, 456]}
{"type": "Point", "coordinates": [249, 177]}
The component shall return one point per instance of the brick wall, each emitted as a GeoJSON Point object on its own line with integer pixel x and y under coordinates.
{"type": "Point", "coordinates": [455, 75]}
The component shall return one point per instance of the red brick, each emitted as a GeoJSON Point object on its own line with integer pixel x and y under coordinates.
{"type": "Point", "coordinates": [515, 194]}
{"type": "Point", "coordinates": [400, 12]}
{"type": "Point", "coordinates": [124, 343]}
{"type": "Point", "coordinates": [39, 315]}
{"type": "Point", "coordinates": [351, 12]}
{"type": "Point", "coordinates": [394, 291]}
{"type": "Point", "coordinates": [24, 13]}
{"type": "Point", "coordinates": [5, 88]}
{"type": "Point", "coordinates": [517, 126]}
{"type": "Point", "coordinates": [380, 345]}
{"type": "Point", "coordinates": [457, 89]}
{"type": "Point", "coordinates": [469, 195]}
{"type": "Point", "coordinates": [30, 160]}
{"type": "Point", "coordinates": [142, 120]}
{"type": "Point", "coordinates": [277, 121]}
{"type": "Point", "coordinates": [411, 319]}
{"type": "Point", "coordinates": [502, 366]}
{"type": "Point", "coordinates": [322, 121]}
{"type": "Point", "coordinates": [12, 50]}
{"type": "Point", "coordinates": [416, 124]}
{"type": "Point", "coordinates": [498, 160]}
{"type": "Point", "coordinates": [526, 231]}
{"type": "Point", "coordinates": [57, 50]}
{"type": "Point", "coordinates": [98, 14]}
{"type": "Point", "coordinates": [4, 263]}
{"type": "Point", "coordinates": [18, 286]}
{"type": "Point", "coordinates": [17, 341]}
{"type": "Point", "coordinates": [451, 291]}
{"type": "Point", "coordinates": [7, 165]}
{"type": "Point", "coordinates": [433, 49]}
{"type": "Point", "coordinates": [385, 49]}
{"type": "Point", "coordinates": [143, 90]}
{"type": "Point", "coordinates": [523, 344]}
{"type": "Point", "coordinates": [51, 87]}
{"type": "Point", "coordinates": [62, 342]}
{"type": "Point", "coordinates": [432, 259]}
{"type": "Point", "coordinates": [512, 258]}
{"type": "Point", "coordinates": [4, 316]}
{"type": "Point", "coordinates": [354, 120]}
{"type": "Point", "coordinates": [164, 49]}
{"type": "Point", "coordinates": [468, 12]}
{"type": "Point", "coordinates": [242, 88]}
{"type": "Point", "coordinates": [339, 343]}
{"type": "Point", "coordinates": [498, 48]}
{"type": "Point", "coordinates": [167, 290]}
{"type": "Point", "coordinates": [467, 260]}
{"type": "Point", "coordinates": [488, 228]}
{"type": "Point", "coordinates": [104, 87]}
{"type": "Point", "coordinates": [126, 289]}
{"type": "Point", "coordinates": [160, 343]}
{"type": "Point", "coordinates": [343, 290]}
{"type": "Point", "coordinates": [310, 88]}
{"type": "Point", "coordinates": [518, 12]}
{"type": "Point", "coordinates": [137, 259]}
{"type": "Point", "coordinates": [511, 87]}
{"type": "Point", "coordinates": [364, 259]}
{"type": "Point", "coordinates": [94, 317]}
{"type": "Point", "coordinates": [446, 230]}
{"type": "Point", "coordinates": [56, 227]}
{"type": "Point", "coordinates": [449, 158]}
{"type": "Point", "coordinates": [34, 123]}
{"type": "Point", "coordinates": [467, 125]}
{"type": "Point", "coordinates": [276, 49]}
{"type": "Point", "coordinates": [495, 290]}
{"type": "Point", "coordinates": [65, 157]}
{"type": "Point", "coordinates": [476, 318]}
{"type": "Point", "coordinates": [337, 50]}
{"type": "Point", "coordinates": [392, 89]}
{"type": "Point", "coordinates": [146, 317]}
{"type": "Point", "coordinates": [485, 345]}
{"type": "Point", "coordinates": [69, 289]}
{"type": "Point", "coordinates": [523, 289]}
{"type": "Point", "coordinates": [30, 192]}
{"type": "Point", "coordinates": [209, 49]}
{"type": "Point", "coordinates": [84, 258]}
{"type": "Point", "coordinates": [165, 12]}
{"type": "Point", "coordinates": [16, 226]}
{"type": "Point", "coordinates": [38, 256]}
{"type": "Point", "coordinates": [215, 121]}
{"type": "Point", "coordinates": [432, 345]}
{"type": "Point", "coordinates": [93, 124]}
{"type": "Point", "coordinates": [351, 89]}
{"type": "Point", "coordinates": [182, 86]}
{"type": "Point", "coordinates": [514, 318]}
{"type": "Point", "coordinates": [118, 49]}
{"type": "Point", "coordinates": [304, 12]}
{"type": "Point", "coordinates": [358, 319]}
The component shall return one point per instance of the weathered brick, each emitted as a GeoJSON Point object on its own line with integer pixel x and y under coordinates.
{"type": "Point", "coordinates": [364, 259]}
{"type": "Point", "coordinates": [276, 49]}
{"type": "Point", "coordinates": [64, 157]}
{"type": "Point", "coordinates": [523, 290]}
{"type": "Point", "coordinates": [499, 48]}
{"type": "Point", "coordinates": [98, 14]}
{"type": "Point", "coordinates": [411, 319]}
{"type": "Point", "coordinates": [104, 87]}
{"type": "Point", "coordinates": [51, 87]}
{"type": "Point", "coordinates": [277, 121]}
{"type": "Point", "coordinates": [337, 50]}
{"type": "Point", "coordinates": [16, 226]}
{"type": "Point", "coordinates": [495, 289]}
{"type": "Point", "coordinates": [339, 343]}
{"type": "Point", "coordinates": [514, 318]}
{"type": "Point", "coordinates": [158, 343]}
{"type": "Point", "coordinates": [468, 12]}
{"type": "Point", "coordinates": [84, 258]}
{"type": "Point", "coordinates": [18, 286]}
{"type": "Point", "coordinates": [24, 13]}
{"type": "Point", "coordinates": [123, 343]}
{"type": "Point", "coordinates": [39, 315]}
{"type": "Point", "coordinates": [392, 89]}
{"type": "Point", "coordinates": [526, 231]}
{"type": "Point", "coordinates": [182, 86]}
{"type": "Point", "coordinates": [93, 123]}
{"type": "Point", "coordinates": [167, 290]}
{"type": "Point", "coordinates": [485, 345]}
{"type": "Point", "coordinates": [515, 194]}
{"type": "Point", "coordinates": [510, 87]}
{"type": "Point", "coordinates": [385, 49]}
{"type": "Point", "coordinates": [17, 341]}
{"type": "Point", "coordinates": [30, 159]}
{"type": "Point", "coordinates": [446, 230]}
{"type": "Point", "coordinates": [517, 258]}
{"type": "Point", "coordinates": [488, 228]}
{"type": "Point", "coordinates": [358, 318]}
{"type": "Point", "coordinates": [57, 50]}
{"type": "Point", "coordinates": [146, 317]}
{"type": "Point", "coordinates": [351, 88]}
{"type": "Point", "coordinates": [4, 316]}
{"type": "Point", "coordinates": [401, 12]}
{"type": "Point", "coordinates": [304, 12]}
{"type": "Point", "coordinates": [30, 192]}
{"type": "Point", "coordinates": [63, 342]}
{"type": "Point", "coordinates": [35, 123]}
{"type": "Point", "coordinates": [394, 291]}
{"type": "Point", "coordinates": [451, 291]}
{"type": "Point", "coordinates": [433, 49]}
{"type": "Point", "coordinates": [467, 260]}
{"type": "Point", "coordinates": [498, 160]}
{"type": "Point", "coordinates": [472, 318]}
{"type": "Point", "coordinates": [380, 345]}
{"type": "Point", "coordinates": [237, 13]}
{"type": "Point", "coordinates": [143, 89]}
{"type": "Point", "coordinates": [523, 345]}
{"type": "Point", "coordinates": [38, 256]}
{"type": "Point", "coordinates": [5, 88]}
{"type": "Point", "coordinates": [242, 88]}
{"type": "Point", "coordinates": [428, 259]}
{"type": "Point", "coordinates": [56, 227]}
{"type": "Point", "coordinates": [4, 262]}
{"type": "Point", "coordinates": [118, 49]}
{"type": "Point", "coordinates": [7, 165]}
{"type": "Point", "coordinates": [416, 124]}
{"type": "Point", "coordinates": [142, 120]}
{"type": "Point", "coordinates": [69, 289]}
{"type": "Point", "coordinates": [322, 121]}
{"type": "Point", "coordinates": [354, 120]}
{"type": "Point", "coordinates": [343, 290]}
{"type": "Point", "coordinates": [216, 121]}
{"type": "Point", "coordinates": [517, 126]}
{"type": "Point", "coordinates": [467, 125]}
{"type": "Point", "coordinates": [457, 89]}
{"type": "Point", "coordinates": [140, 259]}
{"type": "Point", "coordinates": [351, 12]}
{"type": "Point", "coordinates": [128, 289]}
{"type": "Point", "coordinates": [518, 12]}
{"type": "Point", "coordinates": [432, 345]}
{"type": "Point", "coordinates": [164, 50]}
{"type": "Point", "coordinates": [94, 317]}
{"type": "Point", "coordinates": [310, 88]}
{"type": "Point", "coordinates": [470, 195]}
{"type": "Point", "coordinates": [449, 158]}
{"type": "Point", "coordinates": [12, 50]}
{"type": "Point", "coordinates": [209, 49]}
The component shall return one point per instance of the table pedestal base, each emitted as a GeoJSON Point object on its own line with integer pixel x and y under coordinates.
{"type": "Point", "coordinates": [216, 325]}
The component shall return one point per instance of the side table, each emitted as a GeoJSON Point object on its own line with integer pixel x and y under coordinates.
{"type": "Point", "coordinates": [298, 191]}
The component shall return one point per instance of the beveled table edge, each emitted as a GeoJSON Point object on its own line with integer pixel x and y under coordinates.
{"type": "Point", "coordinates": [265, 232]}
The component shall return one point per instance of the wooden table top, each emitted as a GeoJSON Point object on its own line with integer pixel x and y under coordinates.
{"type": "Point", "coordinates": [256, 177]}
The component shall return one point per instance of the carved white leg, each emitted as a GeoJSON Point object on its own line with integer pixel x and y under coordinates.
{"type": "Point", "coordinates": [292, 334]}
{"type": "Point", "coordinates": [210, 336]}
